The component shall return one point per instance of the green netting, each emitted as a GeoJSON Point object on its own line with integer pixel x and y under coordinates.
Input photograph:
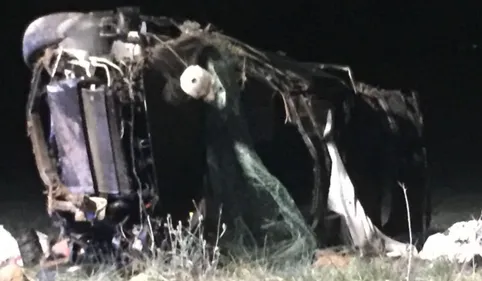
{"type": "Point", "coordinates": [257, 208]}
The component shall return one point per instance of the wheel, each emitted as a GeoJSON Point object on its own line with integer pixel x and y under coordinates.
{"type": "Point", "coordinates": [45, 31]}
{"type": "Point", "coordinates": [69, 29]}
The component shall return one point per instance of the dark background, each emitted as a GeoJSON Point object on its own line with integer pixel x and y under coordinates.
{"type": "Point", "coordinates": [433, 48]}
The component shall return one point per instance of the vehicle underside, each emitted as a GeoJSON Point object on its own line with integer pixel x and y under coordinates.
{"type": "Point", "coordinates": [133, 118]}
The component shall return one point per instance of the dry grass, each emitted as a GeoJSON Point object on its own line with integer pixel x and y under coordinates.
{"type": "Point", "coordinates": [191, 259]}
{"type": "Point", "coordinates": [359, 269]}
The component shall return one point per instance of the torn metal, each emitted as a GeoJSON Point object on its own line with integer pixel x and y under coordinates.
{"type": "Point", "coordinates": [144, 110]}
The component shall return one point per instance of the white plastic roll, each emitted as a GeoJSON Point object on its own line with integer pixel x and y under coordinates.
{"type": "Point", "coordinates": [197, 82]}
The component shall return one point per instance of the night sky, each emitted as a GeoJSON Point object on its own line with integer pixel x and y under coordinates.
{"type": "Point", "coordinates": [435, 49]}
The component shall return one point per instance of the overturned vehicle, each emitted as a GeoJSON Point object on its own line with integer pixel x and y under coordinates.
{"type": "Point", "coordinates": [133, 117]}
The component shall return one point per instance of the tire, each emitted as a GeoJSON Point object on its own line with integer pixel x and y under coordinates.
{"type": "Point", "coordinates": [30, 248]}
{"type": "Point", "coordinates": [69, 30]}
{"type": "Point", "coordinates": [45, 31]}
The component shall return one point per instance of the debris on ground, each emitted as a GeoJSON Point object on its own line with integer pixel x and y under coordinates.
{"type": "Point", "coordinates": [329, 257]}
{"type": "Point", "coordinates": [460, 243]}
{"type": "Point", "coordinates": [11, 272]}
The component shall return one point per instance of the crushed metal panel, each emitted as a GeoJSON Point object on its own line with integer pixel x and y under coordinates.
{"type": "Point", "coordinates": [66, 120]}
{"type": "Point", "coordinates": [123, 181]}
{"type": "Point", "coordinates": [99, 139]}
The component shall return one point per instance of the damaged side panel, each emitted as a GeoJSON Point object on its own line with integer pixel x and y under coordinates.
{"type": "Point", "coordinates": [59, 196]}
{"type": "Point", "coordinates": [101, 142]}
{"type": "Point", "coordinates": [67, 124]}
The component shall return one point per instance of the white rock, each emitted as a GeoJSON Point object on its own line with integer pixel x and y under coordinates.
{"type": "Point", "coordinates": [9, 247]}
{"type": "Point", "coordinates": [460, 243]}
{"type": "Point", "coordinates": [139, 277]}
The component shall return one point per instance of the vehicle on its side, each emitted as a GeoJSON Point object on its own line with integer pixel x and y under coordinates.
{"type": "Point", "coordinates": [117, 139]}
